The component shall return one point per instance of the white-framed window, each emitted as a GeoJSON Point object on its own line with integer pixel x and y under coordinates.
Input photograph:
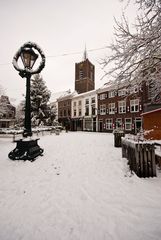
{"type": "Point", "coordinates": [75, 112]}
{"type": "Point", "coordinates": [138, 124]}
{"type": "Point", "coordinates": [103, 109]}
{"type": "Point", "coordinates": [79, 102]}
{"type": "Point", "coordinates": [134, 105]}
{"type": "Point", "coordinates": [93, 109]}
{"type": "Point", "coordinates": [75, 104]}
{"type": "Point", "coordinates": [122, 106]}
{"type": "Point", "coordinates": [87, 101]}
{"type": "Point", "coordinates": [87, 111]}
{"type": "Point", "coordinates": [93, 100]}
{"type": "Point", "coordinates": [79, 111]}
{"type": "Point", "coordinates": [118, 122]}
{"type": "Point", "coordinates": [102, 96]}
{"type": "Point", "coordinates": [128, 124]}
{"type": "Point", "coordinates": [111, 107]}
{"type": "Point", "coordinates": [111, 94]}
{"type": "Point", "coordinates": [109, 123]}
{"type": "Point", "coordinates": [122, 92]}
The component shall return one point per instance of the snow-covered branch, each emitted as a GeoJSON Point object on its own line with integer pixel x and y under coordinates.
{"type": "Point", "coordinates": [136, 50]}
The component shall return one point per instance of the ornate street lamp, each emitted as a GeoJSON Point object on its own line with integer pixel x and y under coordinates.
{"type": "Point", "coordinates": [28, 57]}
{"type": "Point", "coordinates": [27, 149]}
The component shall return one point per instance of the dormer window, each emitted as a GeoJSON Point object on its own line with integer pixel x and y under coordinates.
{"type": "Point", "coordinates": [111, 94]}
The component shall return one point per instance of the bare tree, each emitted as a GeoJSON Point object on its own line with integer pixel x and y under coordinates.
{"type": "Point", "coordinates": [136, 51]}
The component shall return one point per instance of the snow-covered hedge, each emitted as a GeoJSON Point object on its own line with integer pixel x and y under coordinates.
{"type": "Point", "coordinates": [34, 130]}
{"type": "Point", "coordinates": [10, 131]}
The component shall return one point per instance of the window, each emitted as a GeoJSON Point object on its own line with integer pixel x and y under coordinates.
{"type": "Point", "coordinates": [93, 100]}
{"type": "Point", "coordinates": [87, 101]}
{"type": "Point", "coordinates": [111, 108]}
{"type": "Point", "coordinates": [88, 125]}
{"type": "Point", "coordinates": [118, 122]}
{"type": "Point", "coordinates": [138, 124]}
{"type": "Point", "coordinates": [80, 112]}
{"type": "Point", "coordinates": [75, 112]}
{"type": "Point", "coordinates": [102, 96]}
{"type": "Point", "coordinates": [87, 111]}
{"type": "Point", "coordinates": [80, 103]}
{"type": "Point", "coordinates": [134, 105]}
{"type": "Point", "coordinates": [93, 110]}
{"type": "Point", "coordinates": [102, 109]}
{"type": "Point", "coordinates": [122, 106]}
{"type": "Point", "coordinates": [74, 104]}
{"type": "Point", "coordinates": [111, 94]}
{"type": "Point", "coordinates": [68, 112]}
{"type": "Point", "coordinates": [65, 113]}
{"type": "Point", "coordinates": [122, 92]}
{"type": "Point", "coordinates": [109, 124]}
{"type": "Point", "coordinates": [128, 124]}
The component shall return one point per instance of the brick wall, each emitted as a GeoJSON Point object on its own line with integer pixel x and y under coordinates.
{"type": "Point", "coordinates": [152, 124]}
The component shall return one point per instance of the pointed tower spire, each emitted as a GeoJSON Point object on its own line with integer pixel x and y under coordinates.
{"type": "Point", "coordinates": [85, 54]}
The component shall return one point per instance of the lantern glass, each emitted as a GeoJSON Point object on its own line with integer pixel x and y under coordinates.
{"type": "Point", "coordinates": [28, 57]}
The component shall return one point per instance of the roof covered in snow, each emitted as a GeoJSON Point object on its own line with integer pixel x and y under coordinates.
{"type": "Point", "coordinates": [113, 85]}
{"type": "Point", "coordinates": [153, 111]}
{"type": "Point", "coordinates": [55, 96]}
{"type": "Point", "coordinates": [67, 95]}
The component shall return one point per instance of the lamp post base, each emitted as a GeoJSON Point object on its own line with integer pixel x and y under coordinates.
{"type": "Point", "coordinates": [26, 150]}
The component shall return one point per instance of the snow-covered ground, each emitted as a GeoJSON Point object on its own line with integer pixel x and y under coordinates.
{"type": "Point", "coordinates": [80, 189]}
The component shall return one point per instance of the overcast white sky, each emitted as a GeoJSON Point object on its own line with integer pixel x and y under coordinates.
{"type": "Point", "coordinates": [58, 27]}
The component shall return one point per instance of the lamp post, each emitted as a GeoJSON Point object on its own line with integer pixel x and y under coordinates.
{"type": "Point", "coordinates": [29, 58]}
{"type": "Point", "coordinates": [27, 149]}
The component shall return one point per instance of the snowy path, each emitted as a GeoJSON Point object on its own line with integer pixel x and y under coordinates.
{"type": "Point", "coordinates": [79, 190]}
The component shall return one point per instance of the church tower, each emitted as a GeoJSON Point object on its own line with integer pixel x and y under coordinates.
{"type": "Point", "coordinates": [84, 75]}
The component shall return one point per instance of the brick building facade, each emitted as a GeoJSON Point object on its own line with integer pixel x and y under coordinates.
{"type": "Point", "coordinates": [121, 107]}
{"type": "Point", "coordinates": [64, 109]}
